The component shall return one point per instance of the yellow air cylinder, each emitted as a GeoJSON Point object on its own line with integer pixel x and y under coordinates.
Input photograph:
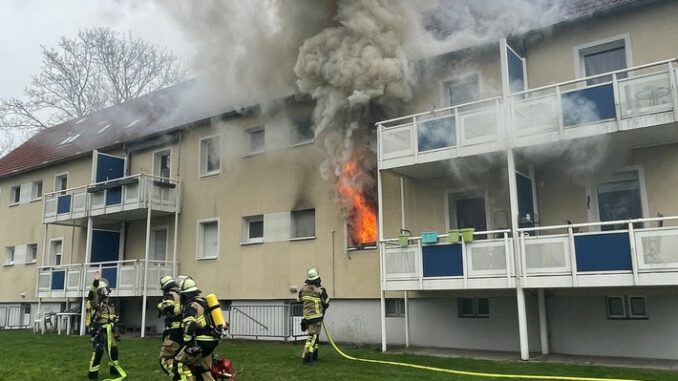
{"type": "Point", "coordinates": [217, 314]}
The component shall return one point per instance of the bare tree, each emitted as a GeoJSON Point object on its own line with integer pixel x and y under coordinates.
{"type": "Point", "coordinates": [96, 69]}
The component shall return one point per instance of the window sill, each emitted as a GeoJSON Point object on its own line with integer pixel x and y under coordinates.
{"type": "Point", "coordinates": [210, 174]}
{"type": "Point", "coordinates": [36, 199]}
{"type": "Point", "coordinates": [302, 143]}
{"type": "Point", "coordinates": [302, 239]}
{"type": "Point", "coordinates": [248, 243]}
{"type": "Point", "coordinates": [207, 259]}
{"type": "Point", "coordinates": [30, 263]}
{"type": "Point", "coordinates": [13, 204]}
{"type": "Point", "coordinates": [254, 153]}
{"type": "Point", "coordinates": [8, 264]}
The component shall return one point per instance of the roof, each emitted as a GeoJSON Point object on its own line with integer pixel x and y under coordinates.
{"type": "Point", "coordinates": [151, 114]}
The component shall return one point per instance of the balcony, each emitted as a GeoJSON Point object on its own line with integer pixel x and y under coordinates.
{"type": "Point", "coordinates": [640, 252]}
{"type": "Point", "coordinates": [125, 198]}
{"type": "Point", "coordinates": [485, 263]}
{"type": "Point", "coordinates": [633, 98]}
{"type": "Point", "coordinates": [126, 278]}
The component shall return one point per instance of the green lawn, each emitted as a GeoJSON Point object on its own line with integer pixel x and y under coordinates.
{"type": "Point", "coordinates": [25, 356]}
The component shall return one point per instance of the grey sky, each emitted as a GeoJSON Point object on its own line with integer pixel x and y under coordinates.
{"type": "Point", "coordinates": [27, 24]}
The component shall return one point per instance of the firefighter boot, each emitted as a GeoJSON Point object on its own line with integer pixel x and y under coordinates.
{"type": "Point", "coordinates": [315, 355]}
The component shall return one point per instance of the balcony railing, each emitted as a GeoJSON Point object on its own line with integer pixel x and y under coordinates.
{"type": "Point", "coordinates": [636, 97]}
{"type": "Point", "coordinates": [113, 196]}
{"type": "Point", "coordinates": [613, 253]}
{"type": "Point", "coordinates": [482, 263]}
{"type": "Point", "coordinates": [126, 278]}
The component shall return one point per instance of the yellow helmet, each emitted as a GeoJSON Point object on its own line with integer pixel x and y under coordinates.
{"type": "Point", "coordinates": [187, 284]}
{"type": "Point", "coordinates": [312, 274]}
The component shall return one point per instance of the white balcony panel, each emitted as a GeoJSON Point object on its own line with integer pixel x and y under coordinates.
{"type": "Point", "coordinates": [131, 193]}
{"type": "Point", "coordinates": [486, 258]}
{"type": "Point", "coordinates": [50, 207]}
{"type": "Point", "coordinates": [535, 115]}
{"type": "Point", "coordinates": [127, 279]}
{"type": "Point", "coordinates": [479, 126]}
{"type": "Point", "coordinates": [397, 142]}
{"type": "Point", "coordinates": [74, 277]}
{"type": "Point", "coordinates": [657, 249]}
{"type": "Point", "coordinates": [401, 262]}
{"type": "Point", "coordinates": [645, 94]}
{"type": "Point", "coordinates": [79, 202]}
{"type": "Point", "coordinates": [547, 255]}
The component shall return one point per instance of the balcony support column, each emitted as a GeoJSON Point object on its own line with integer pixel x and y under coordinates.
{"type": "Point", "coordinates": [380, 237]}
{"type": "Point", "coordinates": [176, 234]}
{"type": "Point", "coordinates": [406, 303]}
{"type": "Point", "coordinates": [543, 322]}
{"type": "Point", "coordinates": [144, 299]}
{"type": "Point", "coordinates": [520, 293]}
{"type": "Point", "coordinates": [88, 254]}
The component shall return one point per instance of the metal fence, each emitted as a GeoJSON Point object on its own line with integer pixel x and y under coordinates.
{"type": "Point", "coordinates": [266, 321]}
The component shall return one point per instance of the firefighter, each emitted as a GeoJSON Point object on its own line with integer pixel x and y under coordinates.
{"type": "Point", "coordinates": [104, 338]}
{"type": "Point", "coordinates": [199, 340]}
{"type": "Point", "coordinates": [170, 308]}
{"type": "Point", "coordinates": [315, 303]}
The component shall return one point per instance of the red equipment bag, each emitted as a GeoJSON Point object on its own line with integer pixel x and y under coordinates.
{"type": "Point", "coordinates": [222, 369]}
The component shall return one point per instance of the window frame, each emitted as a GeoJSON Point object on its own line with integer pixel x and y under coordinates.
{"type": "Point", "coordinates": [249, 136]}
{"type": "Point", "coordinates": [245, 236]}
{"type": "Point", "coordinates": [468, 193]}
{"type": "Point", "coordinates": [154, 230]}
{"type": "Point", "coordinates": [476, 310]}
{"type": "Point", "coordinates": [206, 160]}
{"type": "Point", "coordinates": [8, 250]}
{"type": "Point", "coordinates": [15, 194]}
{"type": "Point", "coordinates": [293, 225]}
{"type": "Point", "coordinates": [52, 256]}
{"type": "Point", "coordinates": [597, 46]}
{"type": "Point", "coordinates": [57, 177]}
{"type": "Point", "coordinates": [35, 259]}
{"type": "Point", "coordinates": [34, 196]}
{"type": "Point", "coordinates": [158, 153]}
{"type": "Point", "coordinates": [444, 95]}
{"type": "Point", "coordinates": [296, 137]}
{"type": "Point", "coordinates": [200, 238]}
{"type": "Point", "coordinates": [592, 194]}
{"type": "Point", "coordinates": [399, 306]}
{"type": "Point", "coordinates": [626, 304]}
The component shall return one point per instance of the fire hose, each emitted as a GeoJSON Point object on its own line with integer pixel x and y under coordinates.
{"type": "Point", "coordinates": [467, 373]}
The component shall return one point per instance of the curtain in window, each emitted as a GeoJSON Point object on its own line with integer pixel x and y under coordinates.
{"type": "Point", "coordinates": [604, 62]}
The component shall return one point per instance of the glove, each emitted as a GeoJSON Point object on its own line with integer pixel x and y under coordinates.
{"type": "Point", "coordinates": [304, 325]}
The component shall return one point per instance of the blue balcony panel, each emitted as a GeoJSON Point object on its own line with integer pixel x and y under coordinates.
{"type": "Point", "coordinates": [442, 260]}
{"type": "Point", "coordinates": [58, 279]}
{"type": "Point", "coordinates": [588, 105]}
{"type": "Point", "coordinates": [603, 252]}
{"type": "Point", "coordinates": [64, 204]}
{"type": "Point", "coordinates": [436, 133]}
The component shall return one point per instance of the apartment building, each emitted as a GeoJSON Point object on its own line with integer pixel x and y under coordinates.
{"type": "Point", "coordinates": [557, 146]}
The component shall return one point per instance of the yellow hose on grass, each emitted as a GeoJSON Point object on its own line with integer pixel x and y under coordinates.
{"type": "Point", "coordinates": [467, 373]}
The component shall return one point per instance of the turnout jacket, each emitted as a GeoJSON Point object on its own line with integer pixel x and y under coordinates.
{"type": "Point", "coordinates": [196, 322]}
{"type": "Point", "coordinates": [103, 312]}
{"type": "Point", "coordinates": [170, 308]}
{"type": "Point", "coordinates": [315, 301]}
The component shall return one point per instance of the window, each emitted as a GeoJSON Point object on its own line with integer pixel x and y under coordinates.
{"type": "Point", "coordinates": [161, 164]}
{"type": "Point", "coordinates": [159, 244]}
{"type": "Point", "coordinates": [462, 90]}
{"type": "Point", "coordinates": [626, 307]}
{"type": "Point", "coordinates": [15, 195]}
{"type": "Point", "coordinates": [253, 229]}
{"type": "Point", "coordinates": [61, 183]}
{"type": "Point", "coordinates": [603, 58]}
{"type": "Point", "coordinates": [210, 156]}
{"type": "Point", "coordinates": [303, 223]}
{"type": "Point", "coordinates": [303, 131]}
{"type": "Point", "coordinates": [473, 307]}
{"type": "Point", "coordinates": [31, 253]}
{"type": "Point", "coordinates": [56, 249]}
{"type": "Point", "coordinates": [36, 190]}
{"type": "Point", "coordinates": [395, 307]}
{"type": "Point", "coordinates": [257, 140]}
{"type": "Point", "coordinates": [9, 255]}
{"type": "Point", "coordinates": [208, 239]}
{"type": "Point", "coordinates": [620, 199]}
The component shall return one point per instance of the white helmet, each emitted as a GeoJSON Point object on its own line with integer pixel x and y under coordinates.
{"type": "Point", "coordinates": [312, 274]}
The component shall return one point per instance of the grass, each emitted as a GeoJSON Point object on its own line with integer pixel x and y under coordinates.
{"type": "Point", "coordinates": [25, 356]}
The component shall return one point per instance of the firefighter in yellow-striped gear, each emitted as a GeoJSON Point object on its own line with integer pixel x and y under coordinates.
{"type": "Point", "coordinates": [198, 334]}
{"type": "Point", "coordinates": [315, 303]}
{"type": "Point", "coordinates": [170, 309]}
{"type": "Point", "coordinates": [102, 330]}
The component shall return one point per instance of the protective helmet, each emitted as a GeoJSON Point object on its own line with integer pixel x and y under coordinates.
{"type": "Point", "coordinates": [187, 285]}
{"type": "Point", "coordinates": [103, 290]}
{"type": "Point", "coordinates": [312, 274]}
{"type": "Point", "coordinates": [167, 283]}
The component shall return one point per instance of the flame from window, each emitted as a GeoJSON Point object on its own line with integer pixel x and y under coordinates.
{"type": "Point", "coordinates": [361, 215]}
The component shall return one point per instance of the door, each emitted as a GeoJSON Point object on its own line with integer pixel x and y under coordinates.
{"type": "Point", "coordinates": [620, 199]}
{"type": "Point", "coordinates": [526, 217]}
{"type": "Point", "coordinates": [110, 167]}
{"type": "Point", "coordinates": [106, 248]}
{"type": "Point", "coordinates": [468, 211]}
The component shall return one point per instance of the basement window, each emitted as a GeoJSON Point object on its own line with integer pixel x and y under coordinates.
{"type": "Point", "coordinates": [625, 307]}
{"type": "Point", "coordinates": [395, 308]}
{"type": "Point", "coordinates": [473, 307]}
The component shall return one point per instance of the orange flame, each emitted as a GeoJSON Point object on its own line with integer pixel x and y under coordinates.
{"type": "Point", "coordinates": [362, 219]}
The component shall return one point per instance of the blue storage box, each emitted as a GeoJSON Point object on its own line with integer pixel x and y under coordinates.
{"type": "Point", "coordinates": [429, 237]}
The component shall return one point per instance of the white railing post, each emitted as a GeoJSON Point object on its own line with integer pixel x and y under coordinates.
{"type": "Point", "coordinates": [464, 263]}
{"type": "Point", "coordinates": [421, 264]}
{"type": "Point", "coordinates": [616, 98]}
{"type": "Point", "coordinates": [508, 257]}
{"type": "Point", "coordinates": [561, 113]}
{"type": "Point", "coordinates": [415, 138]}
{"type": "Point", "coordinates": [523, 258]}
{"type": "Point", "coordinates": [674, 88]}
{"type": "Point", "coordinates": [633, 253]}
{"type": "Point", "coordinates": [573, 255]}
{"type": "Point", "coordinates": [457, 130]}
